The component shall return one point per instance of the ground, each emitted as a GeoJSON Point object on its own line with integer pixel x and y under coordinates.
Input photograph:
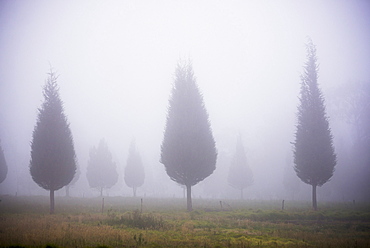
{"type": "Point", "coordinates": [150, 222]}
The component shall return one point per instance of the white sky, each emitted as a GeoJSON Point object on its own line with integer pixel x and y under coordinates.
{"type": "Point", "coordinates": [116, 61]}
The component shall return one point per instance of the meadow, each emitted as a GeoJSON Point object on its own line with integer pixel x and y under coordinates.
{"type": "Point", "coordinates": [150, 222]}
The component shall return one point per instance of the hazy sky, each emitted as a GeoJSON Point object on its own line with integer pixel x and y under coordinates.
{"type": "Point", "coordinates": [116, 63]}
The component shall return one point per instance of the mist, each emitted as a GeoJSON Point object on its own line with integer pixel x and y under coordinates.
{"type": "Point", "coordinates": [116, 62]}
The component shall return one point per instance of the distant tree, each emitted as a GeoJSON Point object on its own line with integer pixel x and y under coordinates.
{"type": "Point", "coordinates": [134, 170]}
{"type": "Point", "coordinates": [188, 149]}
{"type": "Point", "coordinates": [360, 150]}
{"type": "Point", "coordinates": [74, 180]}
{"type": "Point", "coordinates": [3, 166]}
{"type": "Point", "coordinates": [314, 155]}
{"type": "Point", "coordinates": [351, 105]}
{"type": "Point", "coordinates": [240, 175]}
{"type": "Point", "coordinates": [53, 159]}
{"type": "Point", "coordinates": [101, 170]}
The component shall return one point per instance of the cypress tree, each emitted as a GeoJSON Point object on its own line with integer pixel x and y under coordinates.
{"type": "Point", "coordinates": [134, 170]}
{"type": "Point", "coordinates": [188, 149]}
{"type": "Point", "coordinates": [240, 175]}
{"type": "Point", "coordinates": [53, 159]}
{"type": "Point", "coordinates": [314, 155]}
{"type": "Point", "coordinates": [101, 170]}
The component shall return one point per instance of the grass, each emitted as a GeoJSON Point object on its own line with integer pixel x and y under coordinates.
{"type": "Point", "coordinates": [78, 222]}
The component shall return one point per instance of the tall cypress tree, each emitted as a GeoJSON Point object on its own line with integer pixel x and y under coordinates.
{"type": "Point", "coordinates": [188, 149]}
{"type": "Point", "coordinates": [53, 159]}
{"type": "Point", "coordinates": [314, 155]}
{"type": "Point", "coordinates": [240, 175]}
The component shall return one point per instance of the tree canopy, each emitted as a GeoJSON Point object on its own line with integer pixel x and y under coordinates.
{"type": "Point", "coordinates": [314, 155]}
{"type": "Point", "coordinates": [134, 170]}
{"type": "Point", "coordinates": [188, 149]}
{"type": "Point", "coordinates": [101, 170]}
{"type": "Point", "coordinates": [53, 159]}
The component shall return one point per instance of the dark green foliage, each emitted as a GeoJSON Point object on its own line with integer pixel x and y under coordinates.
{"type": "Point", "coordinates": [314, 156]}
{"type": "Point", "coordinates": [188, 149]}
{"type": "Point", "coordinates": [3, 166]}
{"type": "Point", "coordinates": [134, 170]}
{"type": "Point", "coordinates": [101, 170]}
{"type": "Point", "coordinates": [240, 175]}
{"type": "Point", "coordinates": [53, 159]}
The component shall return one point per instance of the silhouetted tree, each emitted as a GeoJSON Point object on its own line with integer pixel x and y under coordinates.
{"type": "Point", "coordinates": [134, 170]}
{"type": "Point", "coordinates": [53, 159]}
{"type": "Point", "coordinates": [3, 166]}
{"type": "Point", "coordinates": [314, 156]}
{"type": "Point", "coordinates": [188, 149]}
{"type": "Point", "coordinates": [101, 170]}
{"type": "Point", "coordinates": [240, 174]}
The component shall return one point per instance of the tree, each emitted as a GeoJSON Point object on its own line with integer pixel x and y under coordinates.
{"type": "Point", "coordinates": [134, 171]}
{"type": "Point", "coordinates": [360, 150]}
{"type": "Point", "coordinates": [351, 106]}
{"type": "Point", "coordinates": [240, 175]}
{"type": "Point", "coordinates": [188, 149]}
{"type": "Point", "coordinates": [101, 170]}
{"type": "Point", "coordinates": [314, 156]}
{"type": "Point", "coordinates": [53, 158]}
{"type": "Point", "coordinates": [3, 166]}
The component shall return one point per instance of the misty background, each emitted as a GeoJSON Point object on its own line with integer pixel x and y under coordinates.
{"type": "Point", "coordinates": [116, 62]}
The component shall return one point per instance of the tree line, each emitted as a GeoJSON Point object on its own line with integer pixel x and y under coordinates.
{"type": "Point", "coordinates": [188, 149]}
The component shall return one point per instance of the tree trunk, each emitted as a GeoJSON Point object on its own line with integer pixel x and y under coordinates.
{"type": "Point", "coordinates": [101, 192]}
{"type": "Point", "coordinates": [314, 201]}
{"type": "Point", "coordinates": [52, 203]}
{"type": "Point", "coordinates": [134, 190]}
{"type": "Point", "coordinates": [188, 200]}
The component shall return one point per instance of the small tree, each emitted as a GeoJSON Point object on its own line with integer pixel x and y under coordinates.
{"type": "Point", "coordinates": [101, 170]}
{"type": "Point", "coordinates": [314, 156]}
{"type": "Point", "coordinates": [188, 149]}
{"type": "Point", "coordinates": [53, 159]}
{"type": "Point", "coordinates": [240, 175]}
{"type": "Point", "coordinates": [3, 166]}
{"type": "Point", "coordinates": [134, 170]}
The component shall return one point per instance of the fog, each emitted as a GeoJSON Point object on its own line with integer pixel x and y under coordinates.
{"type": "Point", "coordinates": [116, 62]}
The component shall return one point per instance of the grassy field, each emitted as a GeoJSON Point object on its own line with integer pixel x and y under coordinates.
{"type": "Point", "coordinates": [79, 222]}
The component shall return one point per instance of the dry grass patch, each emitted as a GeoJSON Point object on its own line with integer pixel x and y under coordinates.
{"type": "Point", "coordinates": [64, 231]}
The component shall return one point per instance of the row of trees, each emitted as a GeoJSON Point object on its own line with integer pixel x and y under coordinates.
{"type": "Point", "coordinates": [188, 150]}
{"type": "Point", "coordinates": [53, 162]}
